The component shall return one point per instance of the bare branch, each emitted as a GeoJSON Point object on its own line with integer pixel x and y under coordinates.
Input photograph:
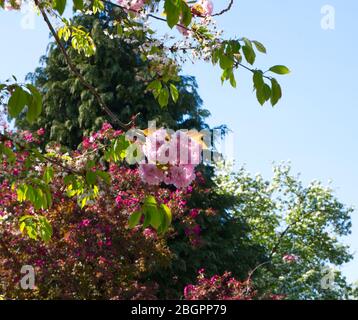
{"type": "Point", "coordinates": [225, 10]}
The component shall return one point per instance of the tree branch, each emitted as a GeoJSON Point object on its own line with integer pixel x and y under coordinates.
{"type": "Point", "coordinates": [225, 10]}
{"type": "Point", "coordinates": [75, 71]}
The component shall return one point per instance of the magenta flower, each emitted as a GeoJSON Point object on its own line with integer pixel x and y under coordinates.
{"type": "Point", "coordinates": [194, 213]}
{"type": "Point", "coordinates": [196, 230]}
{"type": "Point", "coordinates": [85, 223]}
{"type": "Point", "coordinates": [187, 290]}
{"type": "Point", "coordinates": [28, 136]}
{"type": "Point", "coordinates": [41, 132]}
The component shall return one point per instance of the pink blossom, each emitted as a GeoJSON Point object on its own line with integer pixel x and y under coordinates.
{"type": "Point", "coordinates": [8, 144]}
{"type": "Point", "coordinates": [194, 213]}
{"type": "Point", "coordinates": [182, 176]}
{"type": "Point", "coordinates": [149, 234]}
{"type": "Point", "coordinates": [85, 223]}
{"type": "Point", "coordinates": [208, 7]}
{"type": "Point", "coordinates": [151, 174]}
{"type": "Point", "coordinates": [117, 133]}
{"type": "Point", "coordinates": [201, 271]}
{"type": "Point", "coordinates": [86, 143]}
{"type": "Point", "coordinates": [28, 136]}
{"type": "Point", "coordinates": [187, 290]}
{"type": "Point", "coordinates": [41, 132]}
{"type": "Point", "coordinates": [153, 143]}
{"type": "Point", "coordinates": [134, 5]}
{"type": "Point", "coordinates": [123, 199]}
{"type": "Point", "coordinates": [188, 151]}
{"type": "Point", "coordinates": [214, 279]}
{"type": "Point", "coordinates": [106, 126]}
{"type": "Point", "coordinates": [290, 258]}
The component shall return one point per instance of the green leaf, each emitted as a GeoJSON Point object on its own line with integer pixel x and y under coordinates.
{"type": "Point", "coordinates": [150, 200]}
{"type": "Point", "coordinates": [60, 6]}
{"type": "Point", "coordinates": [163, 98]}
{"type": "Point", "coordinates": [45, 229]}
{"type": "Point", "coordinates": [232, 80]}
{"type": "Point", "coordinates": [258, 80]}
{"type": "Point", "coordinates": [267, 92]}
{"type": "Point", "coordinates": [155, 85]}
{"type": "Point", "coordinates": [167, 213]}
{"type": "Point", "coordinates": [36, 226]}
{"type": "Point", "coordinates": [78, 4]}
{"type": "Point", "coordinates": [134, 219]}
{"type": "Point", "coordinates": [17, 102]}
{"type": "Point", "coordinates": [34, 105]}
{"type": "Point", "coordinates": [91, 178]}
{"type": "Point", "coordinates": [276, 92]}
{"type": "Point", "coordinates": [280, 69]}
{"type": "Point", "coordinates": [226, 62]}
{"type": "Point", "coordinates": [249, 54]}
{"type": "Point", "coordinates": [260, 95]}
{"type": "Point", "coordinates": [172, 9]}
{"type": "Point", "coordinates": [186, 15]}
{"type": "Point", "coordinates": [48, 175]}
{"type": "Point", "coordinates": [174, 92]}
{"type": "Point", "coordinates": [155, 217]}
{"type": "Point", "coordinates": [105, 176]}
{"type": "Point", "coordinates": [259, 46]}
{"type": "Point", "coordinates": [147, 219]}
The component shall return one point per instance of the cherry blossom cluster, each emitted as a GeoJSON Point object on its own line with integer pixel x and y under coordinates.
{"type": "Point", "coordinates": [171, 158]}
{"type": "Point", "coordinates": [134, 5]}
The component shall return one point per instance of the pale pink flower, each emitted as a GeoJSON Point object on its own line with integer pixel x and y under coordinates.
{"type": "Point", "coordinates": [153, 143]}
{"type": "Point", "coordinates": [182, 176]}
{"type": "Point", "coordinates": [134, 5]}
{"type": "Point", "coordinates": [188, 150]}
{"type": "Point", "coordinates": [151, 174]}
{"type": "Point", "coordinates": [41, 132]}
{"type": "Point", "coordinates": [208, 7]}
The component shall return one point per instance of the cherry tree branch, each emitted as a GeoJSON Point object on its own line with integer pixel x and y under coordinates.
{"type": "Point", "coordinates": [228, 8]}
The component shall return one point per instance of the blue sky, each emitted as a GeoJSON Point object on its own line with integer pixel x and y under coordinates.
{"type": "Point", "coordinates": [315, 124]}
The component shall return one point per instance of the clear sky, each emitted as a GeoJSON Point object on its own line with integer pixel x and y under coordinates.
{"type": "Point", "coordinates": [315, 124]}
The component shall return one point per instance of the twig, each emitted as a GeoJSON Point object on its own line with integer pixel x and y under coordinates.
{"type": "Point", "coordinates": [225, 10]}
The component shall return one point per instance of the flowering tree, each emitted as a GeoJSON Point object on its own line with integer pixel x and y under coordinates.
{"type": "Point", "coordinates": [299, 228]}
{"type": "Point", "coordinates": [123, 186]}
